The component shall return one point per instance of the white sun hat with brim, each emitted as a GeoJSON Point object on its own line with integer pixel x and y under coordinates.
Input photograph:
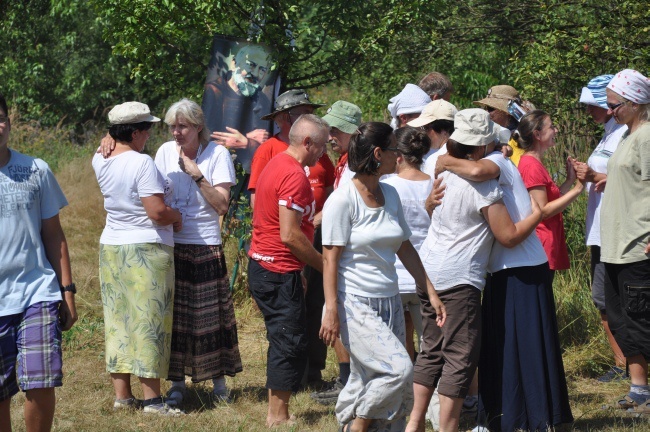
{"type": "Point", "coordinates": [131, 112]}
{"type": "Point", "coordinates": [473, 127]}
{"type": "Point", "coordinates": [439, 109]}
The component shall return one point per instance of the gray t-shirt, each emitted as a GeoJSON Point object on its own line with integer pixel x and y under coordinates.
{"type": "Point", "coordinates": [625, 210]}
{"type": "Point", "coordinates": [29, 193]}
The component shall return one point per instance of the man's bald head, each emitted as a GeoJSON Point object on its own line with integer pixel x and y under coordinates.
{"type": "Point", "coordinates": [308, 125]}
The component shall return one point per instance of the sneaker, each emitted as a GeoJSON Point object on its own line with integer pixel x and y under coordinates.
{"type": "Point", "coordinates": [329, 396]}
{"type": "Point", "coordinates": [470, 405]}
{"type": "Point", "coordinates": [157, 406]}
{"type": "Point", "coordinates": [221, 397]}
{"type": "Point", "coordinates": [614, 374]}
{"type": "Point", "coordinates": [175, 396]}
{"type": "Point", "coordinates": [130, 403]}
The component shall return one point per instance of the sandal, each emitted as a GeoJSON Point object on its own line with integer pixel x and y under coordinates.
{"type": "Point", "coordinates": [625, 402]}
{"type": "Point", "coordinates": [643, 408]}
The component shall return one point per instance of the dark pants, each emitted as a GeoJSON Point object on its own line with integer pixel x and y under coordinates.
{"type": "Point", "coordinates": [627, 299]}
{"type": "Point", "coordinates": [315, 300]}
{"type": "Point", "coordinates": [281, 300]}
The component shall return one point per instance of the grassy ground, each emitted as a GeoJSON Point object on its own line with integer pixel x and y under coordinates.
{"type": "Point", "coordinates": [84, 403]}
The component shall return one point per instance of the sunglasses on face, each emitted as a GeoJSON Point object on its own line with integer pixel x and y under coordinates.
{"type": "Point", "coordinates": [614, 106]}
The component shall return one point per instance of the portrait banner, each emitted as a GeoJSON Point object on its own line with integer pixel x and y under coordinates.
{"type": "Point", "coordinates": [241, 85]}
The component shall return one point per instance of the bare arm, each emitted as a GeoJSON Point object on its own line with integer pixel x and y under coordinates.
{"type": "Point", "coordinates": [586, 174]}
{"type": "Point", "coordinates": [411, 260]}
{"type": "Point", "coordinates": [158, 211]}
{"type": "Point", "coordinates": [570, 176]}
{"type": "Point", "coordinates": [329, 330]}
{"type": "Point", "coordinates": [296, 241]}
{"type": "Point", "coordinates": [56, 251]}
{"type": "Point", "coordinates": [233, 139]}
{"type": "Point", "coordinates": [435, 197]}
{"type": "Point", "coordinates": [217, 196]}
{"type": "Point", "coordinates": [480, 170]}
{"type": "Point", "coordinates": [506, 232]}
{"type": "Point", "coordinates": [550, 209]}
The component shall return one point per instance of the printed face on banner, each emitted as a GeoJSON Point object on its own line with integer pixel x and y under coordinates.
{"type": "Point", "coordinates": [239, 90]}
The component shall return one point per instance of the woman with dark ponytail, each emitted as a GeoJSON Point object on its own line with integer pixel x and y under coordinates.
{"type": "Point", "coordinates": [363, 229]}
{"type": "Point", "coordinates": [535, 135]}
{"type": "Point", "coordinates": [413, 187]}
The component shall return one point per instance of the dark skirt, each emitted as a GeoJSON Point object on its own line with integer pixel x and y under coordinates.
{"type": "Point", "coordinates": [204, 331]}
{"type": "Point", "coordinates": [522, 385]}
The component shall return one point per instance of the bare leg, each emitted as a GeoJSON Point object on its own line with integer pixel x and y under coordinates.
{"type": "Point", "coordinates": [122, 385]}
{"type": "Point", "coordinates": [638, 370]}
{"type": "Point", "coordinates": [278, 413]}
{"type": "Point", "coordinates": [473, 387]}
{"type": "Point", "coordinates": [39, 409]}
{"type": "Point", "coordinates": [422, 396]}
{"type": "Point", "coordinates": [449, 413]}
{"type": "Point", "coordinates": [150, 387]}
{"type": "Point", "coordinates": [410, 346]}
{"type": "Point", "coordinates": [5, 415]}
{"type": "Point", "coordinates": [359, 425]}
{"type": "Point", "coordinates": [619, 358]}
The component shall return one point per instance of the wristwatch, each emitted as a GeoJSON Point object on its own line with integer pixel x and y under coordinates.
{"type": "Point", "coordinates": [69, 288]}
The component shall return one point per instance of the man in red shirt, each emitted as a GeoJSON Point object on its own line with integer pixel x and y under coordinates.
{"type": "Point", "coordinates": [288, 107]}
{"type": "Point", "coordinates": [281, 246]}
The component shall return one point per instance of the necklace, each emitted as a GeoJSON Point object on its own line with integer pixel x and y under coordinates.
{"type": "Point", "coordinates": [369, 192]}
{"type": "Point", "coordinates": [188, 197]}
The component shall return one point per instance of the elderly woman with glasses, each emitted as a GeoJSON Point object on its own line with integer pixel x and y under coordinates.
{"type": "Point", "coordinates": [535, 135]}
{"type": "Point", "coordinates": [625, 232]}
{"type": "Point", "coordinates": [364, 228]}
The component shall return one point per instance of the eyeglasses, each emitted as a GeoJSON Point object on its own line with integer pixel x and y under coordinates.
{"type": "Point", "coordinates": [395, 149]}
{"type": "Point", "coordinates": [613, 107]}
{"type": "Point", "coordinates": [4, 119]}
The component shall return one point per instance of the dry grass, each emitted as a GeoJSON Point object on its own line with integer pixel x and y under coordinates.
{"type": "Point", "coordinates": [84, 403]}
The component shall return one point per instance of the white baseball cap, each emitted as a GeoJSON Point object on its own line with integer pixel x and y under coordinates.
{"type": "Point", "coordinates": [131, 112]}
{"type": "Point", "coordinates": [439, 109]}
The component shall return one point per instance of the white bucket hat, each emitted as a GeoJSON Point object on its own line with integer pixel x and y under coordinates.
{"type": "Point", "coordinates": [473, 127]}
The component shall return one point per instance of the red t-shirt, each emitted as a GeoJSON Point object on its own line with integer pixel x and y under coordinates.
{"type": "Point", "coordinates": [321, 176]}
{"type": "Point", "coordinates": [282, 183]}
{"type": "Point", "coordinates": [550, 231]}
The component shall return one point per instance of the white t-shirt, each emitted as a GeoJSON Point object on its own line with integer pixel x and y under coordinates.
{"type": "Point", "coordinates": [530, 252]}
{"type": "Point", "coordinates": [346, 176]}
{"type": "Point", "coordinates": [429, 165]}
{"type": "Point", "coordinates": [457, 248]}
{"type": "Point", "coordinates": [598, 162]}
{"type": "Point", "coordinates": [200, 219]}
{"type": "Point", "coordinates": [371, 238]}
{"type": "Point", "coordinates": [413, 195]}
{"type": "Point", "coordinates": [123, 180]}
{"type": "Point", "coordinates": [29, 194]}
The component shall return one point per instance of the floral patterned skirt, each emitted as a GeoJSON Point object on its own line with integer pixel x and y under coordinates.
{"type": "Point", "coordinates": [137, 287]}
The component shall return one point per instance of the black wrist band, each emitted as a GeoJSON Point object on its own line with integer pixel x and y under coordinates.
{"type": "Point", "coordinates": [69, 288]}
{"type": "Point", "coordinates": [198, 180]}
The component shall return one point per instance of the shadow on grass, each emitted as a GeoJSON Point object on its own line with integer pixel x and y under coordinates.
{"type": "Point", "coordinates": [611, 418]}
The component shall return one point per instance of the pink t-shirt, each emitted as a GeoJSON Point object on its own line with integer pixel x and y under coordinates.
{"type": "Point", "coordinates": [550, 231]}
